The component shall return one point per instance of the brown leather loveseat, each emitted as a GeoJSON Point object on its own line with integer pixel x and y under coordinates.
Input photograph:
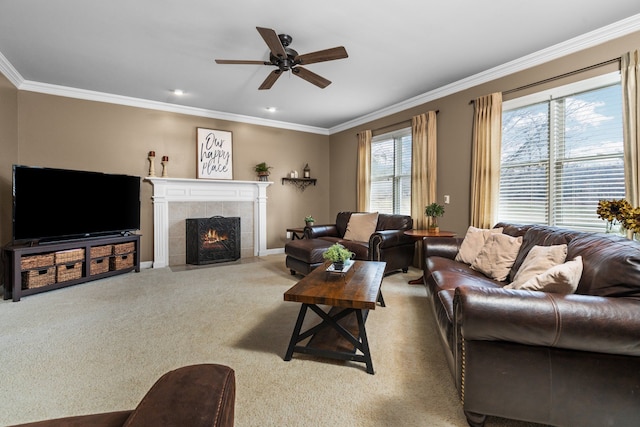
{"type": "Point", "coordinates": [387, 243]}
{"type": "Point", "coordinates": [558, 359]}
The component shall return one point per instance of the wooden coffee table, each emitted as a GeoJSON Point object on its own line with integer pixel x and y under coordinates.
{"type": "Point", "coordinates": [351, 295]}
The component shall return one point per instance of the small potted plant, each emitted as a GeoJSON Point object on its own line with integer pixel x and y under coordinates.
{"type": "Point", "coordinates": [309, 221]}
{"type": "Point", "coordinates": [338, 255]}
{"type": "Point", "coordinates": [433, 211]}
{"type": "Point", "coordinates": [262, 170]}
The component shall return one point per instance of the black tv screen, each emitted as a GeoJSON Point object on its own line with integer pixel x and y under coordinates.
{"type": "Point", "coordinates": [57, 204]}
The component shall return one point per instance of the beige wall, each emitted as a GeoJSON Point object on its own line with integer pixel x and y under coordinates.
{"type": "Point", "coordinates": [455, 119]}
{"type": "Point", "coordinates": [46, 130]}
{"type": "Point", "coordinates": [69, 133]}
{"type": "Point", "coordinates": [8, 153]}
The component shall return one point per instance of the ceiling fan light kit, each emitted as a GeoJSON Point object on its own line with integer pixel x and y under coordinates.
{"type": "Point", "coordinates": [287, 59]}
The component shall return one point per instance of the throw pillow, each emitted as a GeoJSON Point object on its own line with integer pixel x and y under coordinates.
{"type": "Point", "coordinates": [497, 256]}
{"type": "Point", "coordinates": [561, 279]}
{"type": "Point", "coordinates": [361, 226]}
{"type": "Point", "coordinates": [473, 242]}
{"type": "Point", "coordinates": [538, 260]}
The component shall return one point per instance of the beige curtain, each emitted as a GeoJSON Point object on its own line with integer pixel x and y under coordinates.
{"type": "Point", "coordinates": [363, 183]}
{"type": "Point", "coordinates": [485, 162]}
{"type": "Point", "coordinates": [423, 171]}
{"type": "Point", "coordinates": [630, 70]}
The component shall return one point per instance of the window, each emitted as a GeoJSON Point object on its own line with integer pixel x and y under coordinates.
{"type": "Point", "coordinates": [391, 173]}
{"type": "Point", "coordinates": [562, 154]}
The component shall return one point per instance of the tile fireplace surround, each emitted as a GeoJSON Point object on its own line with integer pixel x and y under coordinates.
{"type": "Point", "coordinates": [176, 199]}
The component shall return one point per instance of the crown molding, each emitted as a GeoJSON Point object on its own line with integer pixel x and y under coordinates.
{"type": "Point", "coordinates": [90, 95]}
{"type": "Point", "coordinates": [10, 72]}
{"type": "Point", "coordinates": [576, 44]}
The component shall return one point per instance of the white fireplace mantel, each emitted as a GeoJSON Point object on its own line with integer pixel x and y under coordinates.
{"type": "Point", "coordinates": [168, 190]}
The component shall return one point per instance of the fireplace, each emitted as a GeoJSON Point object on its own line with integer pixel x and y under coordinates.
{"type": "Point", "coordinates": [211, 240]}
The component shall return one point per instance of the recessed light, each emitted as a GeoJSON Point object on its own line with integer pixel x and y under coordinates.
{"type": "Point", "coordinates": [271, 109]}
{"type": "Point", "coordinates": [178, 92]}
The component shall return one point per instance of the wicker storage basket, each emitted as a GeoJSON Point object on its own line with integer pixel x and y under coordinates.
{"type": "Point", "coordinates": [38, 278]}
{"type": "Point", "coordinates": [120, 262]}
{"type": "Point", "coordinates": [100, 251]}
{"type": "Point", "coordinates": [66, 272]}
{"type": "Point", "coordinates": [98, 266]}
{"type": "Point", "coordinates": [70, 256]}
{"type": "Point", "coordinates": [123, 248]}
{"type": "Point", "coordinates": [36, 261]}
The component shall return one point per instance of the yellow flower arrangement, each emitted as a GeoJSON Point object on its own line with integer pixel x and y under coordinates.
{"type": "Point", "coordinates": [614, 210]}
{"type": "Point", "coordinates": [632, 220]}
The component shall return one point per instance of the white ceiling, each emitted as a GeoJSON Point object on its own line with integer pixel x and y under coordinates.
{"type": "Point", "coordinates": [398, 50]}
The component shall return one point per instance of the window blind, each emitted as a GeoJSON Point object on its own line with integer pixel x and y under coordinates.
{"type": "Point", "coordinates": [391, 173]}
{"type": "Point", "coordinates": [560, 157]}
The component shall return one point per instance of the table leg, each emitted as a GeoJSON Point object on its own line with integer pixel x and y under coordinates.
{"type": "Point", "coordinates": [331, 321]}
{"type": "Point", "coordinates": [365, 343]}
{"type": "Point", "coordinates": [381, 299]}
{"type": "Point", "coordinates": [419, 281]}
{"type": "Point", "coordinates": [296, 332]}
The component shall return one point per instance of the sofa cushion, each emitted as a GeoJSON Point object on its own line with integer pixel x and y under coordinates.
{"type": "Point", "coordinates": [473, 242]}
{"type": "Point", "coordinates": [342, 219]}
{"type": "Point", "coordinates": [449, 274]}
{"type": "Point", "coordinates": [361, 226]}
{"type": "Point", "coordinates": [308, 250]}
{"type": "Point", "coordinates": [394, 222]}
{"type": "Point", "coordinates": [539, 260]}
{"type": "Point", "coordinates": [497, 256]}
{"type": "Point", "coordinates": [611, 265]}
{"type": "Point", "coordinates": [542, 235]}
{"type": "Point", "coordinates": [559, 279]}
{"type": "Point", "coordinates": [360, 249]}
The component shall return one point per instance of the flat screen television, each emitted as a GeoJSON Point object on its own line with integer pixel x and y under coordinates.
{"type": "Point", "coordinates": [60, 204]}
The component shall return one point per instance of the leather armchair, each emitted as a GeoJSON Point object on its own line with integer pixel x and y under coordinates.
{"type": "Point", "coordinates": [388, 244]}
{"type": "Point", "coordinates": [197, 395]}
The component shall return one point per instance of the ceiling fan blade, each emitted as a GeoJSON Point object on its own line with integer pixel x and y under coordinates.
{"type": "Point", "coordinates": [273, 41]}
{"type": "Point", "coordinates": [311, 77]}
{"type": "Point", "coordinates": [270, 80]}
{"type": "Point", "coordinates": [322, 55]}
{"type": "Point", "coordinates": [233, 61]}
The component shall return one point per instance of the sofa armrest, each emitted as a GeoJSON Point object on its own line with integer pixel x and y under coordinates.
{"type": "Point", "coordinates": [576, 322]}
{"type": "Point", "coordinates": [315, 231]}
{"type": "Point", "coordinates": [389, 238]}
{"type": "Point", "coordinates": [446, 247]}
{"type": "Point", "coordinates": [107, 419]}
{"type": "Point", "coordinates": [192, 395]}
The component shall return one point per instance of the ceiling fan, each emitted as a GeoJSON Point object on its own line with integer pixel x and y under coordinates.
{"type": "Point", "coordinates": [287, 59]}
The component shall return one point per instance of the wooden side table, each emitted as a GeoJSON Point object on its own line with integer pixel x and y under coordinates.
{"type": "Point", "coordinates": [425, 234]}
{"type": "Point", "coordinates": [296, 233]}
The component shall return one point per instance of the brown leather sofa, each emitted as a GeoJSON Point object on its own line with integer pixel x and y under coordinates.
{"type": "Point", "coordinates": [388, 244]}
{"type": "Point", "coordinates": [561, 360]}
{"type": "Point", "coordinates": [195, 396]}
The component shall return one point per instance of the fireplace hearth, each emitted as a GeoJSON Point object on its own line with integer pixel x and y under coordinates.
{"type": "Point", "coordinates": [213, 240]}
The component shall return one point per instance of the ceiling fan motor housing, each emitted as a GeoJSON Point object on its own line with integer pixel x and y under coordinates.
{"type": "Point", "coordinates": [287, 63]}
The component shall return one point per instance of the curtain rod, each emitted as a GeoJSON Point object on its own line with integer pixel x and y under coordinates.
{"type": "Point", "coordinates": [396, 124]}
{"type": "Point", "coordinates": [561, 76]}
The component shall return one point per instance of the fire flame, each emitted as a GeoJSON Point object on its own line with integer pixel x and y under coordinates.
{"type": "Point", "coordinates": [212, 236]}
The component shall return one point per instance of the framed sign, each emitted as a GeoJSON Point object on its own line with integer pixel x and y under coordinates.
{"type": "Point", "coordinates": [214, 151]}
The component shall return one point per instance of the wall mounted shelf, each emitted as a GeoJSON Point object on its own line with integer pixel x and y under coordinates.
{"type": "Point", "coordinates": [300, 183]}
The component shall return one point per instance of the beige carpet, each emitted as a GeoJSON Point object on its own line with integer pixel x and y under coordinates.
{"type": "Point", "coordinates": [99, 346]}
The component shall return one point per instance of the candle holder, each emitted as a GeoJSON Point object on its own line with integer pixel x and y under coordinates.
{"type": "Point", "coordinates": [165, 162]}
{"type": "Point", "coordinates": [152, 167]}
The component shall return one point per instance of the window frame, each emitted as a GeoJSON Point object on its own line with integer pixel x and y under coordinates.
{"type": "Point", "coordinates": [552, 161]}
{"type": "Point", "coordinates": [396, 136]}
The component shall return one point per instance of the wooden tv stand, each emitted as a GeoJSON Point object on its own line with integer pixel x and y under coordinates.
{"type": "Point", "coordinates": [88, 267]}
